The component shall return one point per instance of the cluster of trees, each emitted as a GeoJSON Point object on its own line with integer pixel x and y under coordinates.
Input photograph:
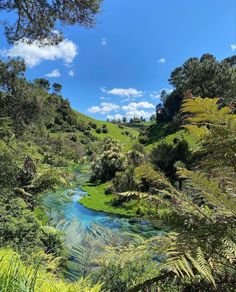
{"type": "Point", "coordinates": [125, 120]}
{"type": "Point", "coordinates": [205, 77]}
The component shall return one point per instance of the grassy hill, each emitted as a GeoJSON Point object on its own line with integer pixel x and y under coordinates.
{"type": "Point", "coordinates": [163, 132]}
{"type": "Point", "coordinates": [126, 135]}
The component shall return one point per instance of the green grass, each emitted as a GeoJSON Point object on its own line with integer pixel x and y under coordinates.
{"type": "Point", "coordinates": [161, 132]}
{"type": "Point", "coordinates": [181, 134]}
{"type": "Point", "coordinates": [97, 200]}
{"type": "Point", "coordinates": [114, 131]}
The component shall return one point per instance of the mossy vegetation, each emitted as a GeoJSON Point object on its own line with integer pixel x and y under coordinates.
{"type": "Point", "coordinates": [98, 200]}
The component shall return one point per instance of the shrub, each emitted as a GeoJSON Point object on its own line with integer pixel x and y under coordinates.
{"type": "Point", "coordinates": [98, 131]}
{"type": "Point", "coordinates": [87, 133]}
{"type": "Point", "coordinates": [138, 147]}
{"type": "Point", "coordinates": [143, 140]}
{"type": "Point", "coordinates": [105, 131]}
{"type": "Point", "coordinates": [93, 125]}
{"type": "Point", "coordinates": [73, 138]}
{"type": "Point", "coordinates": [108, 162]}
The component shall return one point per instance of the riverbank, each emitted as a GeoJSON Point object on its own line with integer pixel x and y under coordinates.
{"type": "Point", "coordinates": [97, 200]}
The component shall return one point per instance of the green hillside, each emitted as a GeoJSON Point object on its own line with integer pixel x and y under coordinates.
{"type": "Point", "coordinates": [163, 132]}
{"type": "Point", "coordinates": [126, 135]}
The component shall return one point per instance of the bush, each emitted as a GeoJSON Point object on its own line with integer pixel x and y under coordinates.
{"type": "Point", "coordinates": [88, 128]}
{"type": "Point", "coordinates": [81, 127]}
{"type": "Point", "coordinates": [143, 140]}
{"type": "Point", "coordinates": [138, 147]}
{"type": "Point", "coordinates": [108, 162]}
{"type": "Point", "coordinates": [93, 125]}
{"type": "Point", "coordinates": [98, 131]}
{"type": "Point", "coordinates": [87, 133]}
{"type": "Point", "coordinates": [105, 131]}
{"type": "Point", "coordinates": [52, 240]}
{"type": "Point", "coordinates": [18, 226]}
{"type": "Point", "coordinates": [164, 156]}
{"type": "Point", "coordinates": [73, 138]}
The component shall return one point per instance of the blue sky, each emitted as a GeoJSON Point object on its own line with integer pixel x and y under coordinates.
{"type": "Point", "coordinates": [120, 66]}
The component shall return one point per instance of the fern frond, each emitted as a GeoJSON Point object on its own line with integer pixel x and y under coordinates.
{"type": "Point", "coordinates": [205, 111]}
{"type": "Point", "coordinates": [133, 195]}
{"type": "Point", "coordinates": [201, 265]}
{"type": "Point", "coordinates": [210, 190]}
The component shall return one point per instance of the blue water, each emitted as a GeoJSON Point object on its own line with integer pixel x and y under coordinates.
{"type": "Point", "coordinates": [67, 214]}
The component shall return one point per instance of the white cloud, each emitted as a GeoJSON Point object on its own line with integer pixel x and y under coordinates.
{"type": "Point", "coordinates": [138, 105]}
{"type": "Point", "coordinates": [94, 109]}
{"type": "Point", "coordinates": [155, 95]}
{"type": "Point", "coordinates": [139, 113]}
{"type": "Point", "coordinates": [162, 60]}
{"type": "Point", "coordinates": [36, 52]}
{"type": "Point", "coordinates": [233, 47]}
{"type": "Point", "coordinates": [104, 108]}
{"type": "Point", "coordinates": [138, 109]}
{"type": "Point", "coordinates": [103, 41]}
{"type": "Point", "coordinates": [54, 73]}
{"type": "Point", "coordinates": [115, 117]}
{"type": "Point", "coordinates": [104, 98]}
{"type": "Point", "coordinates": [123, 92]}
{"type": "Point", "coordinates": [71, 73]}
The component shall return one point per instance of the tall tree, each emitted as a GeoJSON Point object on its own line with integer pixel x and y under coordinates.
{"type": "Point", "coordinates": [42, 83]}
{"type": "Point", "coordinates": [57, 88]}
{"type": "Point", "coordinates": [39, 19]}
{"type": "Point", "coordinates": [206, 77]}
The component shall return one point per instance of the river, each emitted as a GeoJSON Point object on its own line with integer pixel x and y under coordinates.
{"type": "Point", "coordinates": [67, 214]}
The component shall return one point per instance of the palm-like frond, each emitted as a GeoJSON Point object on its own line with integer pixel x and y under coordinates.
{"type": "Point", "coordinates": [206, 111]}
{"type": "Point", "coordinates": [210, 190]}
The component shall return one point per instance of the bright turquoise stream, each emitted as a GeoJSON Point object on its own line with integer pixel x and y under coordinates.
{"type": "Point", "coordinates": [67, 214]}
